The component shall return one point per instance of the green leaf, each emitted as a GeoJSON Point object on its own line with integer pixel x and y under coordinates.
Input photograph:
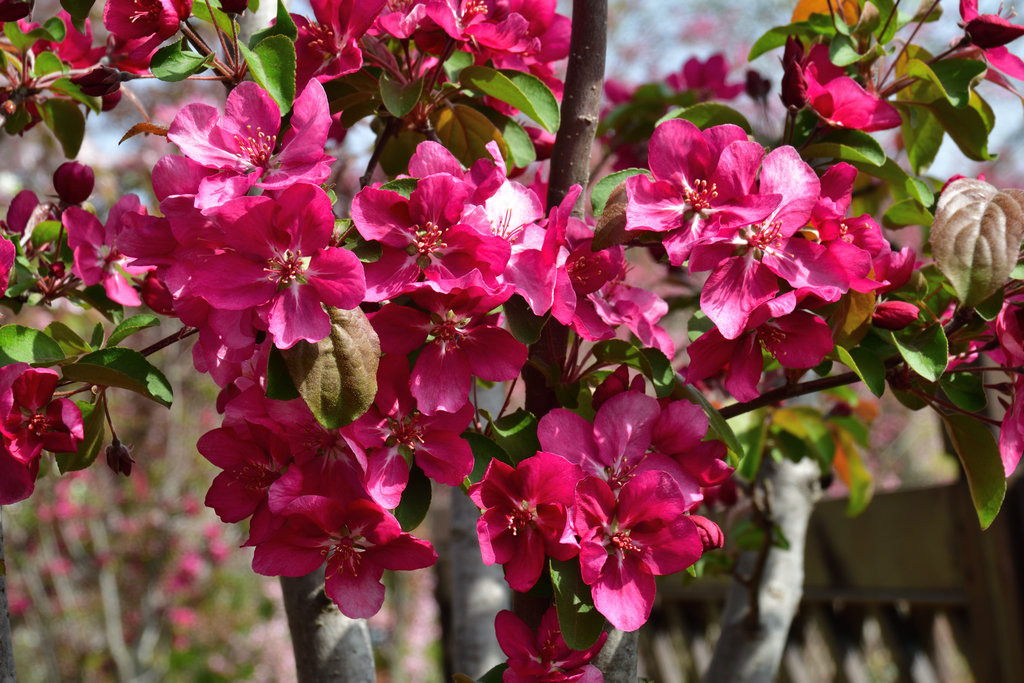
{"type": "Point", "coordinates": [280, 386]}
{"type": "Point", "coordinates": [272, 64]}
{"type": "Point", "coordinates": [516, 434]}
{"type": "Point", "coordinates": [123, 368]}
{"type": "Point", "coordinates": [707, 114]}
{"type": "Point", "coordinates": [45, 232]}
{"type": "Point", "coordinates": [524, 91]}
{"type": "Point", "coordinates": [403, 186]}
{"type": "Point", "coordinates": [1018, 272]}
{"type": "Point", "coordinates": [807, 424]}
{"type": "Point", "coordinates": [966, 390]}
{"type": "Point", "coordinates": [604, 187]}
{"type": "Point", "coordinates": [283, 26]}
{"type": "Point", "coordinates": [968, 127]}
{"type": "Point", "coordinates": [47, 63]}
{"type": "Point", "coordinates": [927, 353]}
{"type": "Point", "coordinates": [399, 98]}
{"type": "Point", "coordinates": [951, 77]}
{"type": "Point", "coordinates": [484, 451]}
{"type": "Point", "coordinates": [989, 308]}
{"type": "Point", "coordinates": [494, 675]}
{"type": "Point", "coordinates": [79, 12]}
{"type": "Point", "coordinates": [67, 123]}
{"type": "Point", "coordinates": [415, 502]}
{"type": "Point", "coordinates": [174, 62]}
{"type": "Point", "coordinates": [337, 376]}
{"type": "Point", "coordinates": [520, 145]}
{"type": "Point", "coordinates": [715, 419]}
{"type": "Point", "coordinates": [53, 30]}
{"type": "Point", "coordinates": [69, 341]}
{"type": "Point", "coordinates": [524, 324]}
{"type": "Point", "coordinates": [466, 132]}
{"type": "Point", "coordinates": [850, 466]}
{"type": "Point", "coordinates": [134, 324]}
{"type": "Point", "coordinates": [96, 297]}
{"type": "Point", "coordinates": [922, 136]}
{"type": "Point", "coordinates": [580, 622]}
{"type": "Point", "coordinates": [456, 63]}
{"type": "Point", "coordinates": [64, 86]}
{"type": "Point", "coordinates": [751, 429]}
{"type": "Point", "coordinates": [983, 466]}
{"type": "Point", "coordinates": [867, 365]}
{"type": "Point", "coordinates": [842, 51]}
{"type": "Point", "coordinates": [906, 212]}
{"type": "Point", "coordinates": [891, 172]}
{"type": "Point", "coordinates": [662, 375]}
{"type": "Point", "coordinates": [19, 344]}
{"type": "Point", "coordinates": [846, 145]}
{"type": "Point", "coordinates": [95, 432]}
{"type": "Point", "coordinates": [97, 336]}
{"type": "Point", "coordinates": [202, 13]}
{"type": "Point", "coordinates": [816, 25]}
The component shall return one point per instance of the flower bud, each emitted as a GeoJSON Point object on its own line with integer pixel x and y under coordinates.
{"type": "Point", "coordinates": [73, 182]}
{"type": "Point", "coordinates": [119, 458]}
{"type": "Point", "coordinates": [110, 101]}
{"type": "Point", "coordinates": [613, 384]}
{"type": "Point", "coordinates": [99, 82]}
{"type": "Point", "coordinates": [757, 86]}
{"type": "Point", "coordinates": [794, 83]}
{"type": "Point", "coordinates": [156, 295]}
{"type": "Point", "coordinates": [711, 535]}
{"type": "Point", "coordinates": [894, 315]}
{"type": "Point", "coordinates": [234, 6]}
{"type": "Point", "coordinates": [12, 10]}
{"type": "Point", "coordinates": [989, 30]}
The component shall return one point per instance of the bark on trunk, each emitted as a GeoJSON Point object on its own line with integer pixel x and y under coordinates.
{"type": "Point", "coordinates": [6, 640]}
{"type": "Point", "coordinates": [747, 653]}
{"type": "Point", "coordinates": [618, 658]}
{"type": "Point", "coordinates": [329, 647]}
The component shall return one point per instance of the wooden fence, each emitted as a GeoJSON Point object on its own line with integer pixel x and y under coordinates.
{"type": "Point", "coordinates": [911, 590]}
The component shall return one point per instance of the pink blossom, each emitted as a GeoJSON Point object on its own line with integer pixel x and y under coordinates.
{"type": "Point", "coordinates": [990, 33]}
{"type": "Point", "coordinates": [543, 656]}
{"type": "Point", "coordinates": [627, 541]}
{"type": "Point", "coordinates": [707, 78]}
{"type": "Point", "coordinates": [97, 259]}
{"type": "Point", "coordinates": [524, 515]}
{"type": "Point", "coordinates": [840, 100]}
{"type": "Point", "coordinates": [329, 47]}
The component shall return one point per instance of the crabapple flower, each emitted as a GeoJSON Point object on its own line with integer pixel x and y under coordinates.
{"type": "Point", "coordinates": [243, 143]}
{"type": "Point", "coordinates": [279, 261]}
{"type": "Point", "coordinates": [543, 656]}
{"type": "Point", "coordinates": [524, 515]}
{"type": "Point", "coordinates": [151, 21]}
{"type": "Point", "coordinates": [31, 420]}
{"type": "Point", "coordinates": [329, 47]}
{"type": "Point", "coordinates": [628, 539]}
{"type": "Point", "coordinates": [357, 538]}
{"type": "Point", "coordinates": [841, 101]}
{"type": "Point", "coordinates": [990, 33]}
{"type": "Point", "coordinates": [7, 253]}
{"type": "Point", "coordinates": [97, 259]}
{"type": "Point", "coordinates": [707, 78]}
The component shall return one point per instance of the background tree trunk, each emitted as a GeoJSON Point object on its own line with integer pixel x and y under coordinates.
{"type": "Point", "coordinates": [329, 647]}
{"type": "Point", "coordinates": [6, 640]}
{"type": "Point", "coordinates": [751, 653]}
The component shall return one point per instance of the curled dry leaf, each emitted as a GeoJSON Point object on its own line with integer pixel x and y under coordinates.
{"type": "Point", "coordinates": [337, 376]}
{"type": "Point", "coordinates": [611, 226]}
{"type": "Point", "coordinates": [976, 237]}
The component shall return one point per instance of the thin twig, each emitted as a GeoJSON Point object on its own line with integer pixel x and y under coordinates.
{"type": "Point", "coordinates": [183, 333]}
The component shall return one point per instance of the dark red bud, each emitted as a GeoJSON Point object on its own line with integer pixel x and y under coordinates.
{"type": "Point", "coordinates": [757, 86]}
{"type": "Point", "coordinates": [12, 10]}
{"type": "Point", "coordinates": [110, 101]}
{"type": "Point", "coordinates": [234, 6]}
{"type": "Point", "coordinates": [156, 295]}
{"type": "Point", "coordinates": [710, 533]}
{"type": "Point", "coordinates": [73, 182]}
{"type": "Point", "coordinates": [119, 458]}
{"type": "Point", "coordinates": [724, 494]}
{"type": "Point", "coordinates": [99, 82]}
{"type": "Point", "coordinates": [794, 87]}
{"type": "Point", "coordinates": [613, 384]}
{"type": "Point", "coordinates": [894, 315]}
{"type": "Point", "coordinates": [989, 30]}
{"type": "Point", "coordinates": [57, 269]}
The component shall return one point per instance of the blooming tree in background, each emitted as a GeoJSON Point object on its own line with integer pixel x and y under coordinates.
{"type": "Point", "coordinates": [350, 340]}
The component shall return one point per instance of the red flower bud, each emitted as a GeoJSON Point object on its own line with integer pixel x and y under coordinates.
{"type": "Point", "coordinates": [989, 30]}
{"type": "Point", "coordinates": [613, 384]}
{"type": "Point", "coordinates": [73, 182]}
{"type": "Point", "coordinates": [12, 10]}
{"type": "Point", "coordinates": [156, 295]}
{"type": "Point", "coordinates": [757, 86]}
{"type": "Point", "coordinates": [894, 315]}
{"type": "Point", "coordinates": [710, 533]}
{"type": "Point", "coordinates": [99, 82]}
{"type": "Point", "coordinates": [119, 458]}
{"type": "Point", "coordinates": [110, 101]}
{"type": "Point", "coordinates": [234, 6]}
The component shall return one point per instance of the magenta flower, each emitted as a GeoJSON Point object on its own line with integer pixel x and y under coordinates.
{"type": "Point", "coordinates": [840, 100]}
{"type": "Point", "coordinates": [707, 78]}
{"type": "Point", "coordinates": [626, 542]}
{"type": "Point", "coordinates": [243, 143]}
{"type": "Point", "coordinates": [357, 538]}
{"type": "Point", "coordinates": [153, 20]}
{"type": "Point", "coordinates": [329, 47]}
{"type": "Point", "coordinates": [97, 259]}
{"type": "Point", "coordinates": [7, 254]}
{"type": "Point", "coordinates": [990, 33]}
{"type": "Point", "coordinates": [524, 515]}
{"type": "Point", "coordinates": [280, 261]}
{"type": "Point", "coordinates": [393, 430]}
{"type": "Point", "coordinates": [1009, 330]}
{"type": "Point", "coordinates": [543, 656]}
{"type": "Point", "coordinates": [463, 341]}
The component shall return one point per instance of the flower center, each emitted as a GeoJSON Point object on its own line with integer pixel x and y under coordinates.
{"type": "Point", "coordinates": [766, 237]}
{"type": "Point", "coordinates": [428, 238]}
{"type": "Point", "coordinates": [472, 9]}
{"type": "Point", "coordinates": [254, 477]}
{"type": "Point", "coordinates": [257, 148]}
{"type": "Point", "coordinates": [285, 268]}
{"type": "Point", "coordinates": [407, 431]}
{"type": "Point", "coordinates": [520, 518]}
{"type": "Point", "coordinates": [321, 38]}
{"type": "Point", "coordinates": [37, 424]}
{"type": "Point", "coordinates": [622, 541]}
{"type": "Point", "coordinates": [346, 554]}
{"type": "Point", "coordinates": [145, 11]}
{"type": "Point", "coordinates": [447, 333]}
{"type": "Point", "coordinates": [700, 195]}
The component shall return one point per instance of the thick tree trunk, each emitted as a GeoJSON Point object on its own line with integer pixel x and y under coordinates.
{"type": "Point", "coordinates": [751, 652]}
{"type": "Point", "coordinates": [329, 647]}
{"type": "Point", "coordinates": [6, 640]}
{"type": "Point", "coordinates": [618, 658]}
